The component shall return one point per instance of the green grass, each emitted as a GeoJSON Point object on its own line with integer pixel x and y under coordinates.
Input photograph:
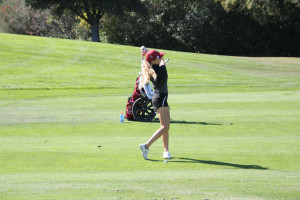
{"type": "Point", "coordinates": [234, 125]}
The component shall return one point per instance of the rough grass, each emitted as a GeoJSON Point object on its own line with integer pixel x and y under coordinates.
{"type": "Point", "coordinates": [234, 125]}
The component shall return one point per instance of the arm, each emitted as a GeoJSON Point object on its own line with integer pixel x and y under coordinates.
{"type": "Point", "coordinates": [162, 62]}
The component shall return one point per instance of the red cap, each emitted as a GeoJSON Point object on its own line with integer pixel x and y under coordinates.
{"type": "Point", "coordinates": [153, 55]}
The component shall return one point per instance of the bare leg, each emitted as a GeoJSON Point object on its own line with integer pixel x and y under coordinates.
{"type": "Point", "coordinates": [165, 138]}
{"type": "Point", "coordinates": [164, 117]}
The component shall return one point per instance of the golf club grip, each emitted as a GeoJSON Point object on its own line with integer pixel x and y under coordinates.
{"type": "Point", "coordinates": [167, 60]}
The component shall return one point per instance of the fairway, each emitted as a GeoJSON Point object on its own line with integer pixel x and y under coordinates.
{"type": "Point", "coordinates": [234, 131]}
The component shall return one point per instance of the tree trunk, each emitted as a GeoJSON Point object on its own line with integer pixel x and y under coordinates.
{"type": "Point", "coordinates": [95, 31]}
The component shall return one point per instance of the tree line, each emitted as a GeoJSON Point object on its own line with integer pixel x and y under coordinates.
{"type": "Point", "coordinates": [227, 27]}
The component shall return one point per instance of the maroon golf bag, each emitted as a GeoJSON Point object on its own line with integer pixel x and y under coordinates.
{"type": "Point", "coordinates": [139, 107]}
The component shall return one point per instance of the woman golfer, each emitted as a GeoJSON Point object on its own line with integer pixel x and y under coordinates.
{"type": "Point", "coordinates": [154, 70]}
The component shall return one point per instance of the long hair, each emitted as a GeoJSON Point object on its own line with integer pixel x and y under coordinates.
{"type": "Point", "coordinates": [147, 73]}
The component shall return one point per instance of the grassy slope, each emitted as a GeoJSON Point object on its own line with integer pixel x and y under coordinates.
{"type": "Point", "coordinates": [234, 131]}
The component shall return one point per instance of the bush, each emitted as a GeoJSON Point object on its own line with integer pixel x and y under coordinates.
{"type": "Point", "coordinates": [21, 19]}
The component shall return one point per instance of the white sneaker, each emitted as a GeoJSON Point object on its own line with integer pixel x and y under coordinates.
{"type": "Point", "coordinates": [144, 150]}
{"type": "Point", "coordinates": [167, 155]}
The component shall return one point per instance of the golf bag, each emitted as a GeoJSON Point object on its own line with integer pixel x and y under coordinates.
{"type": "Point", "coordinates": [136, 94]}
{"type": "Point", "coordinates": [139, 105]}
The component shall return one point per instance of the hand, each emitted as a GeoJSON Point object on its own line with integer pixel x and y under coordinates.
{"type": "Point", "coordinates": [144, 50]}
{"type": "Point", "coordinates": [143, 53]}
{"type": "Point", "coordinates": [162, 62]}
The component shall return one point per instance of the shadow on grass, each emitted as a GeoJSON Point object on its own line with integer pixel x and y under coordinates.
{"type": "Point", "coordinates": [156, 120]}
{"type": "Point", "coordinates": [190, 160]}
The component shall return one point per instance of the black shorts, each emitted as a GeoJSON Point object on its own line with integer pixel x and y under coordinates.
{"type": "Point", "coordinates": [160, 100]}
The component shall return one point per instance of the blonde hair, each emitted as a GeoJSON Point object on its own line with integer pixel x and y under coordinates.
{"type": "Point", "coordinates": [147, 73]}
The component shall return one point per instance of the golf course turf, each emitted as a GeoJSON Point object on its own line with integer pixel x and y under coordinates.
{"type": "Point", "coordinates": [234, 131]}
